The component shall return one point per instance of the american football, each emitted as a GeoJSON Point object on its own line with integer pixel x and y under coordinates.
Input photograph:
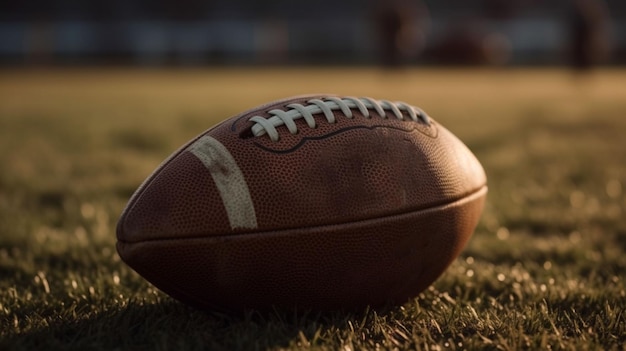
{"type": "Point", "coordinates": [321, 201]}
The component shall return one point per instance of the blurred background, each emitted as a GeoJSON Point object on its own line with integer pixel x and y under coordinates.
{"type": "Point", "coordinates": [278, 32]}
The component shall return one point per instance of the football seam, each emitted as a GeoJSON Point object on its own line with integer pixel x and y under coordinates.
{"type": "Point", "coordinates": [304, 140]}
{"type": "Point", "coordinates": [482, 190]}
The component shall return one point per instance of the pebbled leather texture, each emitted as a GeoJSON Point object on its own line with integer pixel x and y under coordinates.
{"type": "Point", "coordinates": [360, 212]}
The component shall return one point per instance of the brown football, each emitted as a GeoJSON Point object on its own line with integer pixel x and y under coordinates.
{"type": "Point", "coordinates": [320, 202]}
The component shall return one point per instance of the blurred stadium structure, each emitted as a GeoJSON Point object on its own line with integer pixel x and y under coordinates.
{"type": "Point", "coordinates": [159, 32]}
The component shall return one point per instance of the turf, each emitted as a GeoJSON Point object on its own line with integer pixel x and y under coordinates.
{"type": "Point", "coordinates": [544, 270]}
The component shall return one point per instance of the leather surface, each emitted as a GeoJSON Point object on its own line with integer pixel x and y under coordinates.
{"type": "Point", "coordinates": [349, 265]}
{"type": "Point", "coordinates": [335, 207]}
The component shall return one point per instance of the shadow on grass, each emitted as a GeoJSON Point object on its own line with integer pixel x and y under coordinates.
{"type": "Point", "coordinates": [172, 325]}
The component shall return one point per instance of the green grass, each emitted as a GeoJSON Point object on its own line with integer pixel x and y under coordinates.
{"type": "Point", "coordinates": [545, 269]}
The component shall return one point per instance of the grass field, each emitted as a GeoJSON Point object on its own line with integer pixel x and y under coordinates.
{"type": "Point", "coordinates": [546, 268]}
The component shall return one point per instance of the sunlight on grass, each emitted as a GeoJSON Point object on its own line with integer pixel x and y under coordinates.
{"type": "Point", "coordinates": [545, 268]}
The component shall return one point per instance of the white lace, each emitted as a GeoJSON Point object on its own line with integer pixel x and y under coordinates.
{"type": "Point", "coordinates": [327, 106]}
